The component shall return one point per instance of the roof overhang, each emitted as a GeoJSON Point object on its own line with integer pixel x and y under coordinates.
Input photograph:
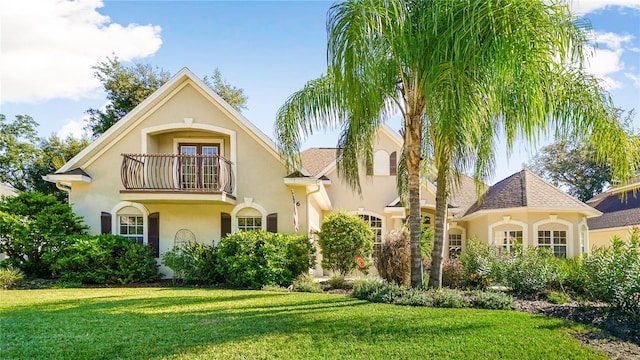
{"type": "Point", "coordinates": [589, 213]}
{"type": "Point", "coordinates": [314, 187]}
{"type": "Point", "coordinates": [67, 178]}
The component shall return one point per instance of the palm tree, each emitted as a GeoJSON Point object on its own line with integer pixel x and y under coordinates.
{"type": "Point", "coordinates": [461, 74]}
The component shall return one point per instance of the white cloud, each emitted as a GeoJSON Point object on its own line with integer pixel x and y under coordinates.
{"type": "Point", "coordinates": [73, 128]}
{"type": "Point", "coordinates": [606, 59]}
{"type": "Point", "coordinates": [48, 47]}
{"type": "Point", "coordinates": [635, 78]}
{"type": "Point", "coordinates": [582, 7]}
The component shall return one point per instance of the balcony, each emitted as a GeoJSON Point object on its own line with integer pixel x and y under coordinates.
{"type": "Point", "coordinates": [177, 178]}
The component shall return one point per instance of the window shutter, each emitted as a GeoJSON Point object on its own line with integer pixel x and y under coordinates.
{"type": "Point", "coordinates": [225, 224]}
{"type": "Point", "coordinates": [105, 223]}
{"type": "Point", "coordinates": [393, 164]}
{"type": "Point", "coordinates": [272, 223]}
{"type": "Point", "coordinates": [154, 233]}
{"type": "Point", "coordinates": [369, 166]}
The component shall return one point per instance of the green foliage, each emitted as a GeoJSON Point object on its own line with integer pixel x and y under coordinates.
{"type": "Point", "coordinates": [126, 87]}
{"type": "Point", "coordinates": [572, 166]}
{"type": "Point", "coordinates": [452, 273]}
{"type": "Point", "coordinates": [105, 259]}
{"type": "Point", "coordinates": [450, 298]}
{"type": "Point", "coordinates": [306, 283]}
{"type": "Point", "coordinates": [378, 290]}
{"type": "Point", "coordinates": [336, 282]}
{"type": "Point", "coordinates": [613, 274]}
{"type": "Point", "coordinates": [194, 263]}
{"type": "Point", "coordinates": [392, 257]}
{"type": "Point", "coordinates": [33, 230]}
{"type": "Point", "coordinates": [10, 277]}
{"type": "Point", "coordinates": [492, 300]}
{"type": "Point", "coordinates": [53, 153]}
{"type": "Point", "coordinates": [556, 297]}
{"type": "Point", "coordinates": [343, 237]}
{"type": "Point", "coordinates": [234, 96]}
{"type": "Point", "coordinates": [18, 150]}
{"type": "Point", "coordinates": [256, 258]}
{"type": "Point", "coordinates": [529, 270]}
{"type": "Point", "coordinates": [479, 263]}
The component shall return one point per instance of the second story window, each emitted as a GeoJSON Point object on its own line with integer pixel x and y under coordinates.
{"type": "Point", "coordinates": [199, 166]}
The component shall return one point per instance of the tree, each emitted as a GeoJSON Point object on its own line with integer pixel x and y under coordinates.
{"type": "Point", "coordinates": [342, 237]}
{"type": "Point", "coordinates": [53, 153]}
{"type": "Point", "coordinates": [572, 167]}
{"type": "Point", "coordinates": [33, 228]}
{"type": "Point", "coordinates": [234, 96]}
{"type": "Point", "coordinates": [126, 87]}
{"type": "Point", "coordinates": [460, 73]}
{"type": "Point", "coordinates": [18, 149]}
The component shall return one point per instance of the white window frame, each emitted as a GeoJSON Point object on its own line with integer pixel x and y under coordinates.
{"type": "Point", "coordinates": [567, 226]}
{"type": "Point", "coordinates": [143, 212]}
{"type": "Point", "coordinates": [377, 240]}
{"type": "Point", "coordinates": [506, 220]}
{"type": "Point", "coordinates": [136, 225]}
{"type": "Point", "coordinates": [247, 204]}
{"type": "Point", "coordinates": [553, 237]}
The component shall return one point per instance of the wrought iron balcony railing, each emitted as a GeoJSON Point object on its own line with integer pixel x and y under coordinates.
{"type": "Point", "coordinates": [177, 172]}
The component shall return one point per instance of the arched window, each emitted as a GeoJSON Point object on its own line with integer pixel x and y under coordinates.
{"type": "Point", "coordinates": [249, 216]}
{"type": "Point", "coordinates": [130, 221]}
{"type": "Point", "coordinates": [381, 163]}
{"type": "Point", "coordinates": [555, 234]}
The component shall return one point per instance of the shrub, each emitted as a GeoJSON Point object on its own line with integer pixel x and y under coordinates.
{"type": "Point", "coordinates": [105, 259]}
{"type": "Point", "coordinates": [530, 270]}
{"type": "Point", "coordinates": [492, 300]}
{"type": "Point", "coordinates": [306, 283]}
{"type": "Point", "coordinates": [256, 258]}
{"type": "Point", "coordinates": [414, 297]}
{"type": "Point", "coordinates": [452, 273]}
{"type": "Point", "coordinates": [194, 263]}
{"type": "Point", "coordinates": [556, 297]}
{"type": "Point", "coordinates": [377, 290]}
{"type": "Point", "coordinates": [10, 277]}
{"type": "Point", "coordinates": [342, 237]}
{"type": "Point", "coordinates": [569, 278]}
{"type": "Point", "coordinates": [479, 264]}
{"type": "Point", "coordinates": [392, 258]}
{"type": "Point", "coordinates": [33, 229]}
{"type": "Point", "coordinates": [274, 288]}
{"type": "Point", "coordinates": [613, 274]}
{"type": "Point", "coordinates": [450, 298]}
{"type": "Point", "coordinates": [336, 282]}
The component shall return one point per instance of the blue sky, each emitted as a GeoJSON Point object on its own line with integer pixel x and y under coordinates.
{"type": "Point", "coordinates": [268, 48]}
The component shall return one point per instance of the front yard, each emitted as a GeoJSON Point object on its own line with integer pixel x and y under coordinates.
{"type": "Point", "coordinates": [172, 323]}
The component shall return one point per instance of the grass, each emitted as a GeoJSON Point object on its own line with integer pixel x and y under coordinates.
{"type": "Point", "coordinates": [164, 323]}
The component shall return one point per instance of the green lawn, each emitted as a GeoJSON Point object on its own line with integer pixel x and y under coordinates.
{"type": "Point", "coordinates": [161, 323]}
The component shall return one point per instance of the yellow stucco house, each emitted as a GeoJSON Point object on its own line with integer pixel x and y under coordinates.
{"type": "Point", "coordinates": [620, 207]}
{"type": "Point", "coordinates": [185, 163]}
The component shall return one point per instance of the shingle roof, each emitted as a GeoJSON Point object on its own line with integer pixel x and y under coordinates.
{"type": "Point", "coordinates": [465, 195]}
{"type": "Point", "coordinates": [315, 160]}
{"type": "Point", "coordinates": [617, 211]}
{"type": "Point", "coordinates": [525, 189]}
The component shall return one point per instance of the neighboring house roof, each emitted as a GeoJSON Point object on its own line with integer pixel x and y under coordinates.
{"type": "Point", "coordinates": [315, 160]}
{"type": "Point", "coordinates": [524, 189]}
{"type": "Point", "coordinates": [618, 210]}
{"type": "Point", "coordinates": [6, 190]}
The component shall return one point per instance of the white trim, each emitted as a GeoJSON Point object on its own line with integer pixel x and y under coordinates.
{"type": "Point", "coordinates": [198, 141]}
{"type": "Point", "coordinates": [583, 243]}
{"type": "Point", "coordinates": [508, 221]}
{"type": "Point", "coordinates": [590, 212]}
{"type": "Point", "coordinates": [143, 211]}
{"type": "Point", "coordinates": [617, 228]}
{"type": "Point", "coordinates": [553, 219]}
{"type": "Point", "coordinates": [454, 225]}
{"type": "Point", "coordinates": [382, 218]}
{"type": "Point", "coordinates": [252, 205]}
{"type": "Point", "coordinates": [66, 178]}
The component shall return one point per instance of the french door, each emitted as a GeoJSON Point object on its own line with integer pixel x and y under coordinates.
{"type": "Point", "coordinates": [199, 166]}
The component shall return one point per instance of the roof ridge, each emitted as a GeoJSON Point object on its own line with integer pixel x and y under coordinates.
{"type": "Point", "coordinates": [523, 184]}
{"type": "Point", "coordinates": [578, 202]}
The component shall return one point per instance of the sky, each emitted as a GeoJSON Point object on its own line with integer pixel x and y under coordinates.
{"type": "Point", "coordinates": [268, 48]}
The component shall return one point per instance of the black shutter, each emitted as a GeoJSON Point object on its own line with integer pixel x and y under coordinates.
{"type": "Point", "coordinates": [105, 223]}
{"type": "Point", "coordinates": [393, 164]}
{"type": "Point", "coordinates": [272, 223]}
{"type": "Point", "coordinates": [154, 233]}
{"type": "Point", "coordinates": [225, 224]}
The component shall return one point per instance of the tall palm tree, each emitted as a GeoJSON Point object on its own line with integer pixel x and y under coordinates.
{"type": "Point", "coordinates": [461, 74]}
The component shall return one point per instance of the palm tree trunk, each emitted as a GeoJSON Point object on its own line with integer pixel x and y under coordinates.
{"type": "Point", "coordinates": [413, 148]}
{"type": "Point", "coordinates": [435, 276]}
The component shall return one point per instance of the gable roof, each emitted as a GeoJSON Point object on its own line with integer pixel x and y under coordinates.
{"type": "Point", "coordinates": [525, 189]}
{"type": "Point", "coordinates": [616, 211]}
{"type": "Point", "coordinates": [465, 195]}
{"type": "Point", "coordinates": [314, 160]}
{"type": "Point", "coordinates": [128, 122]}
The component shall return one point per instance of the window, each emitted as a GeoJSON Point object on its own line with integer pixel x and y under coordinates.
{"type": "Point", "coordinates": [199, 166]}
{"type": "Point", "coordinates": [249, 222]}
{"type": "Point", "coordinates": [426, 220]}
{"type": "Point", "coordinates": [554, 239]}
{"type": "Point", "coordinates": [381, 163]}
{"type": "Point", "coordinates": [455, 245]}
{"type": "Point", "coordinates": [376, 226]}
{"type": "Point", "coordinates": [508, 239]}
{"type": "Point", "coordinates": [132, 227]}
